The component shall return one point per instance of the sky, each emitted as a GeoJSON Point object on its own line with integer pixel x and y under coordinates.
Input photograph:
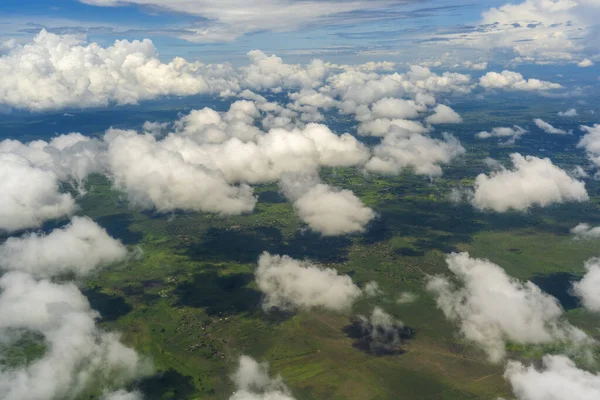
{"type": "Point", "coordinates": [531, 31]}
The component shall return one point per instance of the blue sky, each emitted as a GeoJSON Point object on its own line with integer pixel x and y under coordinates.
{"type": "Point", "coordinates": [382, 30]}
{"type": "Point", "coordinates": [349, 31]}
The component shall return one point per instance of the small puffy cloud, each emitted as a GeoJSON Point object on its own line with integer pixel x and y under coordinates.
{"type": "Point", "coordinates": [29, 195]}
{"type": "Point", "coordinates": [289, 284]}
{"type": "Point", "coordinates": [585, 63]}
{"type": "Point", "coordinates": [571, 112]}
{"type": "Point", "coordinates": [380, 333]}
{"type": "Point", "coordinates": [532, 181]}
{"type": "Point", "coordinates": [503, 132]}
{"type": "Point", "coordinates": [371, 289]}
{"type": "Point", "coordinates": [78, 355]}
{"type": "Point", "coordinates": [81, 247]}
{"type": "Point", "coordinates": [546, 127]}
{"type": "Point", "coordinates": [54, 72]}
{"type": "Point", "coordinates": [510, 80]}
{"type": "Point", "coordinates": [396, 109]}
{"type": "Point", "coordinates": [328, 210]}
{"type": "Point", "coordinates": [588, 289]}
{"type": "Point", "coordinates": [382, 126]}
{"type": "Point", "coordinates": [123, 395]}
{"type": "Point", "coordinates": [492, 308]}
{"type": "Point", "coordinates": [558, 379]}
{"type": "Point", "coordinates": [252, 382]}
{"type": "Point", "coordinates": [401, 149]}
{"type": "Point", "coordinates": [586, 231]}
{"type": "Point", "coordinates": [154, 176]}
{"type": "Point", "coordinates": [443, 115]}
{"type": "Point", "coordinates": [406, 298]}
{"type": "Point", "coordinates": [591, 142]}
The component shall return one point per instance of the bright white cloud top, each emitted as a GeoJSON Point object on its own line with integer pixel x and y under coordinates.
{"type": "Point", "coordinates": [588, 289]}
{"type": "Point", "coordinates": [546, 127]}
{"type": "Point", "coordinates": [291, 284]}
{"type": "Point", "coordinates": [532, 181]}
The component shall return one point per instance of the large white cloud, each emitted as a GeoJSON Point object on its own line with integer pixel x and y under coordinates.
{"type": "Point", "coordinates": [557, 379]}
{"type": "Point", "coordinates": [533, 181]}
{"type": "Point", "coordinates": [492, 308]}
{"type": "Point", "coordinates": [154, 177]}
{"type": "Point", "coordinates": [29, 195]}
{"type": "Point", "coordinates": [510, 80]}
{"type": "Point", "coordinates": [586, 231]}
{"type": "Point", "coordinates": [81, 247]}
{"type": "Point", "coordinates": [588, 289]}
{"type": "Point", "coordinates": [54, 72]}
{"type": "Point", "coordinates": [78, 355]}
{"type": "Point", "coordinates": [401, 149]}
{"type": "Point", "coordinates": [291, 284]}
{"type": "Point", "coordinates": [252, 382]}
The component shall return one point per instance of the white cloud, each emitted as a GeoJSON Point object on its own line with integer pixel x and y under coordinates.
{"type": "Point", "coordinates": [81, 247]}
{"type": "Point", "coordinates": [591, 142]}
{"type": "Point", "coordinates": [586, 63]}
{"type": "Point", "coordinates": [54, 72]}
{"type": "Point", "coordinates": [327, 210]}
{"type": "Point", "coordinates": [78, 354]}
{"type": "Point", "coordinates": [586, 231]}
{"type": "Point", "coordinates": [510, 80]}
{"type": "Point", "coordinates": [558, 379]}
{"type": "Point", "coordinates": [372, 289]}
{"type": "Point", "coordinates": [290, 284]}
{"type": "Point", "coordinates": [153, 176]}
{"type": "Point", "coordinates": [571, 112]}
{"type": "Point", "coordinates": [123, 395]}
{"type": "Point", "coordinates": [72, 157]}
{"type": "Point", "coordinates": [30, 195]}
{"type": "Point", "coordinates": [546, 127]}
{"type": "Point", "coordinates": [396, 109]}
{"type": "Point", "coordinates": [588, 289]}
{"type": "Point", "coordinates": [492, 308]}
{"type": "Point", "coordinates": [401, 149]}
{"type": "Point", "coordinates": [406, 298]}
{"type": "Point", "coordinates": [533, 181]}
{"type": "Point", "coordinates": [443, 115]}
{"type": "Point", "coordinates": [252, 382]}
{"type": "Point", "coordinates": [512, 134]}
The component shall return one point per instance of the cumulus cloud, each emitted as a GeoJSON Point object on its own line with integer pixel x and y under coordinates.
{"type": "Point", "coordinates": [558, 378]}
{"type": "Point", "coordinates": [372, 289]}
{"type": "Point", "coordinates": [325, 209]}
{"type": "Point", "coordinates": [591, 142]}
{"type": "Point", "coordinates": [443, 115]}
{"type": "Point", "coordinates": [78, 354]}
{"type": "Point", "coordinates": [546, 127]}
{"type": "Point", "coordinates": [54, 72]}
{"type": "Point", "coordinates": [290, 284]}
{"type": "Point", "coordinates": [512, 134]}
{"type": "Point", "coordinates": [152, 176]}
{"type": "Point", "coordinates": [588, 289]}
{"type": "Point", "coordinates": [72, 157]}
{"type": "Point", "coordinates": [586, 231]}
{"type": "Point", "coordinates": [401, 149]}
{"type": "Point", "coordinates": [571, 112]}
{"type": "Point", "coordinates": [396, 109]}
{"type": "Point", "coordinates": [81, 247]}
{"type": "Point", "coordinates": [29, 195]}
{"type": "Point", "coordinates": [252, 382]}
{"type": "Point", "coordinates": [510, 80]}
{"type": "Point", "coordinates": [380, 333]}
{"type": "Point", "coordinates": [532, 181]}
{"type": "Point", "coordinates": [586, 63]}
{"type": "Point", "coordinates": [406, 298]}
{"type": "Point", "coordinates": [492, 308]}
